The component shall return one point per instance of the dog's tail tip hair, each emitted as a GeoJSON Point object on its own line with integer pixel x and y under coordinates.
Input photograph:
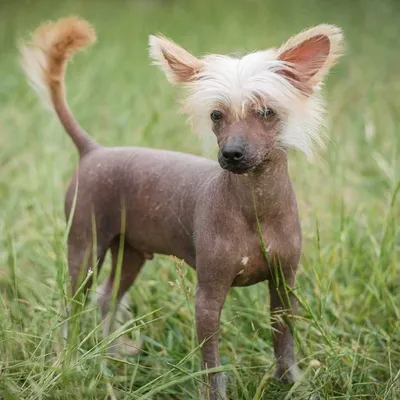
{"type": "Point", "coordinates": [50, 46]}
{"type": "Point", "coordinates": [43, 60]}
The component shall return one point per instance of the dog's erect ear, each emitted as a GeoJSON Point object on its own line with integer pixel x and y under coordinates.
{"type": "Point", "coordinates": [311, 54]}
{"type": "Point", "coordinates": [178, 65]}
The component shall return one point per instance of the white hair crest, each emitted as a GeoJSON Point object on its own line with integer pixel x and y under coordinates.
{"type": "Point", "coordinates": [236, 83]}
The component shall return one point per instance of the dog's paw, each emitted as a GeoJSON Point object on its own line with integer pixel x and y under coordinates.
{"type": "Point", "coordinates": [287, 375]}
{"type": "Point", "coordinates": [215, 388]}
{"type": "Point", "coordinates": [125, 347]}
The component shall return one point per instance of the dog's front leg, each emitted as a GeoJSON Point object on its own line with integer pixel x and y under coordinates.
{"type": "Point", "coordinates": [210, 298]}
{"type": "Point", "coordinates": [283, 308]}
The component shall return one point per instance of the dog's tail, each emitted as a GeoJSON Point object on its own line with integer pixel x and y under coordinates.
{"type": "Point", "coordinates": [44, 61]}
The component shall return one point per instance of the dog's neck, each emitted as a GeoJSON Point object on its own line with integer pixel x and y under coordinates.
{"type": "Point", "coordinates": [266, 191]}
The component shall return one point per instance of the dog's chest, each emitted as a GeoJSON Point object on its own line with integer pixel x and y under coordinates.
{"type": "Point", "coordinates": [256, 261]}
{"type": "Point", "coordinates": [253, 266]}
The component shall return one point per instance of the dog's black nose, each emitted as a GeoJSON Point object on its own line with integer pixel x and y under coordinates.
{"type": "Point", "coordinates": [233, 153]}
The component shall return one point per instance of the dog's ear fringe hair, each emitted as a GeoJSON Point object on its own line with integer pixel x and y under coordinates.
{"type": "Point", "coordinates": [51, 45]}
{"type": "Point", "coordinates": [178, 64]}
{"type": "Point", "coordinates": [336, 50]}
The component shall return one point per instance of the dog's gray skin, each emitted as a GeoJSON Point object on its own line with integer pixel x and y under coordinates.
{"type": "Point", "coordinates": [182, 205]}
{"type": "Point", "coordinates": [189, 207]}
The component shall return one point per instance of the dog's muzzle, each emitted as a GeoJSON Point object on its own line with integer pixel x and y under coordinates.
{"type": "Point", "coordinates": [232, 156]}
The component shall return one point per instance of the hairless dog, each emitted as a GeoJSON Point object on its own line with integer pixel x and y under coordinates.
{"type": "Point", "coordinates": [235, 221]}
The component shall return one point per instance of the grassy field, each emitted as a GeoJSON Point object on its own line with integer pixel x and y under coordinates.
{"type": "Point", "coordinates": [348, 331]}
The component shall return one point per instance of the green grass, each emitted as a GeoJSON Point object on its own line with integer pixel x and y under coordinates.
{"type": "Point", "coordinates": [348, 282]}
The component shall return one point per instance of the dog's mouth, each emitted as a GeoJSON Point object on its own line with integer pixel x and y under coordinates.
{"type": "Point", "coordinates": [236, 168]}
{"type": "Point", "coordinates": [244, 166]}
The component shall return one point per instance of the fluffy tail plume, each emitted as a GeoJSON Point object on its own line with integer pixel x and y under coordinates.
{"type": "Point", "coordinates": [44, 61]}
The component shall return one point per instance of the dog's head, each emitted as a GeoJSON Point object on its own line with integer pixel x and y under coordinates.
{"type": "Point", "coordinates": [258, 103]}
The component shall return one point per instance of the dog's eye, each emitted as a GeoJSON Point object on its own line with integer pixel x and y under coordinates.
{"type": "Point", "coordinates": [266, 112]}
{"type": "Point", "coordinates": [216, 116]}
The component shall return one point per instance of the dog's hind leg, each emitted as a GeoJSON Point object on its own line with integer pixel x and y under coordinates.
{"type": "Point", "coordinates": [130, 263]}
{"type": "Point", "coordinates": [85, 256]}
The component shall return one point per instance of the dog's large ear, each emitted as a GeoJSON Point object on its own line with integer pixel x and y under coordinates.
{"type": "Point", "coordinates": [178, 65]}
{"type": "Point", "coordinates": [310, 55]}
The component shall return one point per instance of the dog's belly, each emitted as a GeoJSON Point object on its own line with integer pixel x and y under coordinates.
{"type": "Point", "coordinates": [153, 240]}
{"type": "Point", "coordinates": [159, 226]}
